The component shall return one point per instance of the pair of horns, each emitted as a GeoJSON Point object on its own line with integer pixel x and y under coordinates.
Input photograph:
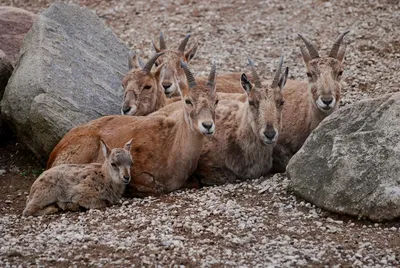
{"type": "Point", "coordinates": [335, 48]}
{"type": "Point", "coordinates": [190, 78]}
{"type": "Point", "coordinates": [257, 81]}
{"type": "Point", "coordinates": [181, 47]}
{"type": "Point", "coordinates": [145, 67]}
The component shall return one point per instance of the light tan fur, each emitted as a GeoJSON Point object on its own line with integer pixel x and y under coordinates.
{"type": "Point", "coordinates": [166, 149]}
{"type": "Point", "coordinates": [89, 186]}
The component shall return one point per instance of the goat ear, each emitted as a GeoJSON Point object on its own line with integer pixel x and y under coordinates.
{"type": "Point", "coordinates": [283, 78]}
{"type": "Point", "coordinates": [105, 149]}
{"type": "Point", "coordinates": [305, 54]}
{"type": "Point", "coordinates": [244, 81]}
{"type": "Point", "coordinates": [127, 145]}
{"type": "Point", "coordinates": [191, 53]}
{"type": "Point", "coordinates": [134, 61]}
{"type": "Point", "coordinates": [340, 56]}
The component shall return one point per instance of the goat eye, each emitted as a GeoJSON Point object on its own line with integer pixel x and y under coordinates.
{"type": "Point", "coordinates": [147, 87]}
{"type": "Point", "coordinates": [188, 102]}
{"type": "Point", "coordinates": [282, 103]}
{"type": "Point", "coordinates": [309, 75]}
{"type": "Point", "coordinates": [156, 64]}
{"type": "Point", "coordinates": [340, 73]}
{"type": "Point", "coordinates": [252, 103]}
{"type": "Point", "coordinates": [113, 165]}
{"type": "Point", "coordinates": [216, 102]}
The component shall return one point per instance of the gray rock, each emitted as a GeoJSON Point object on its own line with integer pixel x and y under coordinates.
{"type": "Point", "coordinates": [69, 73]}
{"type": "Point", "coordinates": [14, 25]}
{"type": "Point", "coordinates": [350, 164]}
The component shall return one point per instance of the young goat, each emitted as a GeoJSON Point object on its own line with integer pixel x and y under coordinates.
{"type": "Point", "coordinates": [247, 131]}
{"type": "Point", "coordinates": [172, 58]}
{"type": "Point", "coordinates": [90, 186]}
{"type": "Point", "coordinates": [166, 149]}
{"type": "Point", "coordinates": [308, 103]}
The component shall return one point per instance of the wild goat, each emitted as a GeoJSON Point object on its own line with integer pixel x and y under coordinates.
{"type": "Point", "coordinates": [143, 93]}
{"type": "Point", "coordinates": [247, 131]}
{"type": "Point", "coordinates": [308, 103]}
{"type": "Point", "coordinates": [166, 149]}
{"type": "Point", "coordinates": [172, 58]}
{"type": "Point", "coordinates": [90, 186]}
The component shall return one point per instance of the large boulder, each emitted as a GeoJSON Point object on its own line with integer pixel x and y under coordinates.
{"type": "Point", "coordinates": [14, 24]}
{"type": "Point", "coordinates": [350, 164]}
{"type": "Point", "coordinates": [69, 72]}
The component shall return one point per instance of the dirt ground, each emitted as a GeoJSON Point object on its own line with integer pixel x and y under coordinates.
{"type": "Point", "coordinates": [255, 223]}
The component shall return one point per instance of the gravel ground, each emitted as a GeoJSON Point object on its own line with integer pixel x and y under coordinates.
{"type": "Point", "coordinates": [253, 223]}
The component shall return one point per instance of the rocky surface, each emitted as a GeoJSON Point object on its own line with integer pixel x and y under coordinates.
{"type": "Point", "coordinates": [14, 25]}
{"type": "Point", "coordinates": [69, 74]}
{"type": "Point", "coordinates": [254, 223]}
{"type": "Point", "coordinates": [355, 169]}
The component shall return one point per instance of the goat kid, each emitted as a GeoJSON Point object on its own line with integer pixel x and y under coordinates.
{"type": "Point", "coordinates": [89, 186]}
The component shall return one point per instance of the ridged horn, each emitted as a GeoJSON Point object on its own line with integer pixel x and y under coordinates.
{"type": "Point", "coordinates": [163, 46]}
{"type": "Point", "coordinates": [150, 63]}
{"type": "Point", "coordinates": [311, 48]}
{"type": "Point", "coordinates": [275, 82]}
{"type": "Point", "coordinates": [213, 73]}
{"type": "Point", "coordinates": [183, 44]}
{"type": "Point", "coordinates": [336, 45]}
{"type": "Point", "coordinates": [189, 76]}
{"type": "Point", "coordinates": [256, 78]}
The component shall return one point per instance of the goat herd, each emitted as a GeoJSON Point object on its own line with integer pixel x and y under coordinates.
{"type": "Point", "coordinates": [183, 130]}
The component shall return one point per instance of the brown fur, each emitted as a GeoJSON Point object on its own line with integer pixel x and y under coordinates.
{"type": "Point", "coordinates": [90, 186]}
{"type": "Point", "coordinates": [239, 150]}
{"type": "Point", "coordinates": [166, 149]}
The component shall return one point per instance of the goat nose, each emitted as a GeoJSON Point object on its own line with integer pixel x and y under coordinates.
{"type": "Point", "coordinates": [167, 85]}
{"type": "Point", "coordinates": [270, 134]}
{"type": "Point", "coordinates": [126, 109]}
{"type": "Point", "coordinates": [327, 100]}
{"type": "Point", "coordinates": [207, 125]}
{"type": "Point", "coordinates": [127, 177]}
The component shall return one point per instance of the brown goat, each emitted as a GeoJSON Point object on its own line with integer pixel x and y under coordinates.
{"type": "Point", "coordinates": [247, 131]}
{"type": "Point", "coordinates": [307, 104]}
{"type": "Point", "coordinates": [166, 149]}
{"type": "Point", "coordinates": [172, 58]}
{"type": "Point", "coordinates": [89, 186]}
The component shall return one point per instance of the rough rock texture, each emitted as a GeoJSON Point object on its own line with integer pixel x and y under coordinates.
{"type": "Point", "coordinates": [70, 72]}
{"type": "Point", "coordinates": [6, 69]}
{"type": "Point", "coordinates": [351, 163]}
{"type": "Point", "coordinates": [14, 24]}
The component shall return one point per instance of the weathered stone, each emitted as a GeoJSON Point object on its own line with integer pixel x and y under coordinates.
{"type": "Point", "coordinates": [350, 164]}
{"type": "Point", "coordinates": [69, 73]}
{"type": "Point", "coordinates": [14, 24]}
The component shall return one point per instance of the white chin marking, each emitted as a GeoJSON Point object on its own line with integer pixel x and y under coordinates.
{"type": "Point", "coordinates": [206, 131]}
{"type": "Point", "coordinates": [170, 90]}
{"type": "Point", "coordinates": [323, 107]}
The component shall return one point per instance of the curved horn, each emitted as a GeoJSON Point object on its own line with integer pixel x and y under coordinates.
{"type": "Point", "coordinates": [275, 82]}
{"type": "Point", "coordinates": [150, 63]}
{"type": "Point", "coordinates": [336, 45]}
{"type": "Point", "coordinates": [162, 41]}
{"type": "Point", "coordinates": [256, 78]}
{"type": "Point", "coordinates": [189, 76]}
{"type": "Point", "coordinates": [311, 49]}
{"type": "Point", "coordinates": [183, 44]}
{"type": "Point", "coordinates": [212, 75]}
